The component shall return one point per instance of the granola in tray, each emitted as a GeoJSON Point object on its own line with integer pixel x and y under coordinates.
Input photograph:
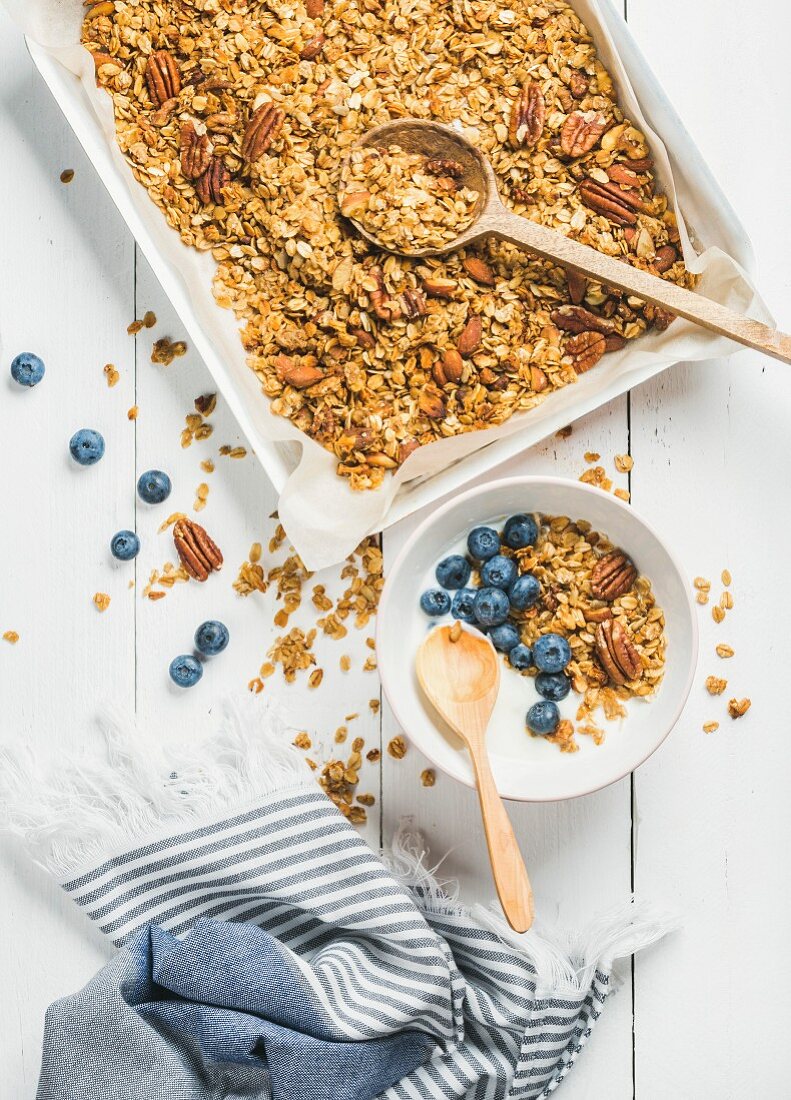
{"type": "Point", "coordinates": [236, 116]}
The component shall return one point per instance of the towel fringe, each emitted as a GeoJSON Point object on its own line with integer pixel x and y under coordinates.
{"type": "Point", "coordinates": [82, 811]}
{"type": "Point", "coordinates": [564, 962]}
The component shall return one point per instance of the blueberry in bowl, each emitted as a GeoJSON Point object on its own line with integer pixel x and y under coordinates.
{"type": "Point", "coordinates": [505, 637]}
{"type": "Point", "coordinates": [483, 543]}
{"type": "Point", "coordinates": [543, 718]}
{"type": "Point", "coordinates": [499, 572]}
{"type": "Point", "coordinates": [435, 601]}
{"type": "Point", "coordinates": [491, 606]}
{"type": "Point", "coordinates": [551, 653]}
{"type": "Point", "coordinates": [453, 572]}
{"type": "Point", "coordinates": [554, 686]}
{"type": "Point", "coordinates": [463, 605]}
{"type": "Point", "coordinates": [524, 592]}
{"type": "Point", "coordinates": [520, 531]}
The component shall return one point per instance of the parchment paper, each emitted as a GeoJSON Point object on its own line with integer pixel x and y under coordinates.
{"type": "Point", "coordinates": [324, 518]}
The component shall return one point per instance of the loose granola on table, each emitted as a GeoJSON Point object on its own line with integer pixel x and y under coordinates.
{"type": "Point", "coordinates": [236, 117]}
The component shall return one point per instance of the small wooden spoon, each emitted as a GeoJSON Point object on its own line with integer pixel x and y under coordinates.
{"type": "Point", "coordinates": [493, 219]}
{"type": "Point", "coordinates": [461, 679]}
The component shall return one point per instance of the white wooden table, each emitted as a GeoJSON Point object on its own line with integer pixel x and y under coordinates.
{"type": "Point", "coordinates": [703, 826]}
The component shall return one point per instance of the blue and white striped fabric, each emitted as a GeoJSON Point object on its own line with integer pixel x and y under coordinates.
{"type": "Point", "coordinates": [265, 951]}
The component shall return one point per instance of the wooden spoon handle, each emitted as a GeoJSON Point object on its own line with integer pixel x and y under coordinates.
{"type": "Point", "coordinates": [508, 867]}
{"type": "Point", "coordinates": [551, 245]}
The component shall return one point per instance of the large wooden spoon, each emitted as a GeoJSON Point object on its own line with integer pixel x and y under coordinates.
{"type": "Point", "coordinates": [461, 679]}
{"type": "Point", "coordinates": [493, 219]}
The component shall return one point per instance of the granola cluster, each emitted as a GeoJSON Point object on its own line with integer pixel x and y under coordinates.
{"type": "Point", "coordinates": [237, 115]}
{"type": "Point", "coordinates": [405, 200]}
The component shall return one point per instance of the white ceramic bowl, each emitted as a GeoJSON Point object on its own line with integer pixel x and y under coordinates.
{"type": "Point", "coordinates": [527, 768]}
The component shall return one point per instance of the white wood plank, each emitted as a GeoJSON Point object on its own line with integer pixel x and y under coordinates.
{"type": "Point", "coordinates": [579, 852]}
{"type": "Point", "coordinates": [66, 294]}
{"type": "Point", "coordinates": [711, 460]}
{"type": "Point", "coordinates": [237, 514]}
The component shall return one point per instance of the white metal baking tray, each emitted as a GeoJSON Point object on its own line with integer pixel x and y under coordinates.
{"type": "Point", "coordinates": [242, 392]}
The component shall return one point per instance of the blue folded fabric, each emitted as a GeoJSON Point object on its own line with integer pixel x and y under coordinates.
{"type": "Point", "coordinates": [267, 952]}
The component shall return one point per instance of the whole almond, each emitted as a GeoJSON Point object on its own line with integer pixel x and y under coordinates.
{"type": "Point", "coordinates": [470, 338]}
{"type": "Point", "coordinates": [479, 270]}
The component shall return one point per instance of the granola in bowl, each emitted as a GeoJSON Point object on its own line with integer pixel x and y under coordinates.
{"type": "Point", "coordinates": [406, 200]}
{"type": "Point", "coordinates": [237, 117]}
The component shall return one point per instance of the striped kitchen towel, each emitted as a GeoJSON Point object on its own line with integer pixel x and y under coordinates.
{"type": "Point", "coordinates": [266, 952]}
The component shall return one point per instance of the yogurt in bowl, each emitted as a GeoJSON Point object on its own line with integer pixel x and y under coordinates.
{"type": "Point", "coordinates": [642, 709]}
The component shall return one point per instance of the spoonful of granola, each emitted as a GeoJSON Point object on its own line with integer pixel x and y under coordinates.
{"type": "Point", "coordinates": [420, 188]}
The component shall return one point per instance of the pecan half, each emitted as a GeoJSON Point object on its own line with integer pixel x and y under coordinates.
{"type": "Point", "coordinates": [163, 116]}
{"type": "Point", "coordinates": [196, 151]}
{"type": "Point", "coordinates": [199, 554]}
{"type": "Point", "coordinates": [449, 369]}
{"type": "Point", "coordinates": [614, 342]}
{"type": "Point", "coordinates": [616, 652]}
{"type": "Point", "coordinates": [579, 319]}
{"type": "Point", "coordinates": [470, 336]}
{"type": "Point", "coordinates": [578, 286]}
{"type": "Point", "coordinates": [585, 349]}
{"type": "Point", "coordinates": [478, 270]}
{"type": "Point", "coordinates": [263, 127]}
{"type": "Point", "coordinates": [581, 132]}
{"type": "Point", "coordinates": [619, 173]}
{"type": "Point", "coordinates": [299, 373]}
{"type": "Point", "coordinates": [597, 614]}
{"type": "Point", "coordinates": [613, 576]}
{"type": "Point", "coordinates": [413, 304]}
{"type": "Point", "coordinates": [441, 166]}
{"type": "Point", "coordinates": [526, 123]}
{"type": "Point", "coordinates": [313, 47]}
{"type": "Point", "coordinates": [163, 78]}
{"type": "Point", "coordinates": [209, 186]}
{"type": "Point", "coordinates": [579, 83]}
{"type": "Point", "coordinates": [381, 303]}
{"type": "Point", "coordinates": [610, 201]}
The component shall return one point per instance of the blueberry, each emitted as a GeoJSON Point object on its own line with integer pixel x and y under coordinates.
{"type": "Point", "coordinates": [551, 653]}
{"type": "Point", "coordinates": [553, 685]}
{"type": "Point", "coordinates": [211, 638]}
{"type": "Point", "coordinates": [520, 531]}
{"type": "Point", "coordinates": [462, 606]}
{"type": "Point", "coordinates": [521, 657]}
{"type": "Point", "coordinates": [453, 571]}
{"type": "Point", "coordinates": [491, 606]}
{"type": "Point", "coordinates": [504, 637]}
{"type": "Point", "coordinates": [543, 718]}
{"type": "Point", "coordinates": [86, 446]}
{"type": "Point", "coordinates": [483, 543]}
{"type": "Point", "coordinates": [524, 592]}
{"type": "Point", "coordinates": [27, 369]}
{"type": "Point", "coordinates": [125, 545]}
{"type": "Point", "coordinates": [435, 602]}
{"type": "Point", "coordinates": [499, 572]}
{"type": "Point", "coordinates": [185, 670]}
{"type": "Point", "coordinates": [153, 486]}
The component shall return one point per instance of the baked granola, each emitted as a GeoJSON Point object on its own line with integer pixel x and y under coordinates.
{"type": "Point", "coordinates": [236, 116]}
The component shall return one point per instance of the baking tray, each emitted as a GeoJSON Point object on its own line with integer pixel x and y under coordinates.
{"type": "Point", "coordinates": [280, 459]}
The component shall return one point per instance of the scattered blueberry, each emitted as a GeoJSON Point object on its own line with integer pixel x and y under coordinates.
{"type": "Point", "coordinates": [185, 670]}
{"type": "Point", "coordinates": [125, 545]}
{"type": "Point", "coordinates": [453, 571]}
{"type": "Point", "coordinates": [462, 606]}
{"type": "Point", "coordinates": [499, 572]}
{"type": "Point", "coordinates": [153, 486]}
{"type": "Point", "coordinates": [491, 606]}
{"type": "Point", "coordinates": [483, 543]}
{"type": "Point", "coordinates": [435, 601]}
{"type": "Point", "coordinates": [86, 446]}
{"type": "Point", "coordinates": [27, 369]}
{"type": "Point", "coordinates": [553, 685]}
{"type": "Point", "coordinates": [211, 638]}
{"type": "Point", "coordinates": [520, 531]}
{"type": "Point", "coordinates": [521, 657]}
{"type": "Point", "coordinates": [551, 653]}
{"type": "Point", "coordinates": [524, 592]}
{"type": "Point", "coordinates": [543, 718]}
{"type": "Point", "coordinates": [504, 637]}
